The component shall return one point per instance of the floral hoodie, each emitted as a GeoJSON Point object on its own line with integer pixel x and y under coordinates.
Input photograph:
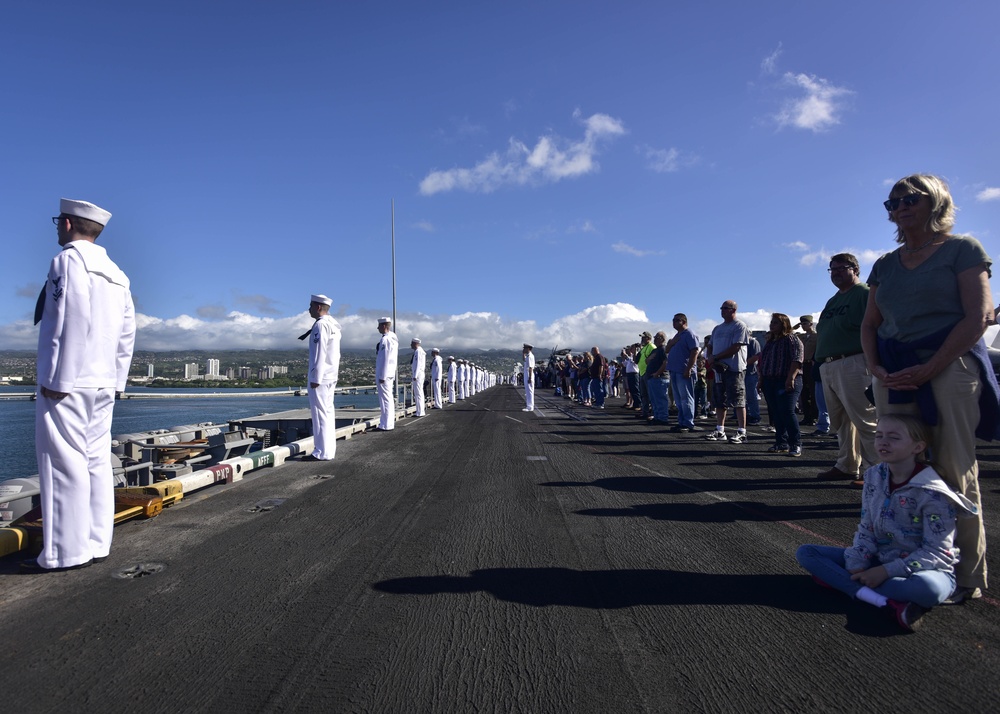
{"type": "Point", "coordinates": [912, 529]}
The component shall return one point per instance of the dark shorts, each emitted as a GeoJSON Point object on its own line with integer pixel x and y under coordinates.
{"type": "Point", "coordinates": [731, 392]}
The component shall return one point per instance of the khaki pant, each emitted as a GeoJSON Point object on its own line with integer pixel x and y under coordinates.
{"type": "Point", "coordinates": [956, 391]}
{"type": "Point", "coordinates": [852, 416]}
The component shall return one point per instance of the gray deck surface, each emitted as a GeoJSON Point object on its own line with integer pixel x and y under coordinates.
{"type": "Point", "coordinates": [485, 559]}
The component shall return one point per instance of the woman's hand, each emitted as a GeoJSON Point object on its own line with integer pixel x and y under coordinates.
{"type": "Point", "coordinates": [873, 577]}
{"type": "Point", "coordinates": [910, 378]}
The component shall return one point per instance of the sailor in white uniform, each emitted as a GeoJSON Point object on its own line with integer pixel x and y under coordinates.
{"type": "Point", "coordinates": [436, 378]}
{"type": "Point", "coordinates": [85, 345]}
{"type": "Point", "coordinates": [324, 364]}
{"type": "Point", "coordinates": [452, 375]}
{"type": "Point", "coordinates": [418, 369]}
{"type": "Point", "coordinates": [386, 354]}
{"type": "Point", "coordinates": [462, 367]}
{"type": "Point", "coordinates": [529, 379]}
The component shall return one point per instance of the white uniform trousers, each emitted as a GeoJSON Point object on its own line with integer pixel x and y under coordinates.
{"type": "Point", "coordinates": [73, 447]}
{"type": "Point", "coordinates": [529, 394]}
{"type": "Point", "coordinates": [387, 405]}
{"type": "Point", "coordinates": [418, 397]}
{"type": "Point", "coordinates": [436, 392]}
{"type": "Point", "coordinates": [324, 421]}
{"type": "Point", "coordinates": [451, 392]}
{"type": "Point", "coordinates": [461, 390]}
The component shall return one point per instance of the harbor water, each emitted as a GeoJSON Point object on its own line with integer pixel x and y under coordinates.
{"type": "Point", "coordinates": [134, 415]}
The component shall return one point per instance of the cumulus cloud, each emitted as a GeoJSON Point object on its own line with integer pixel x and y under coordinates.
{"type": "Point", "coordinates": [818, 106]}
{"type": "Point", "coordinates": [425, 226]}
{"type": "Point", "coordinates": [625, 248]}
{"type": "Point", "coordinates": [30, 290]}
{"type": "Point", "coordinates": [552, 159]}
{"type": "Point", "coordinates": [607, 326]}
{"type": "Point", "coordinates": [988, 194]}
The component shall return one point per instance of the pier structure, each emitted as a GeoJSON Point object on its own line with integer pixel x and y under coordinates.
{"type": "Point", "coordinates": [486, 559]}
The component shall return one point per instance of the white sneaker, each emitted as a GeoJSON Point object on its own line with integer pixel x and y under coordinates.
{"type": "Point", "coordinates": [716, 436]}
{"type": "Point", "coordinates": [737, 438]}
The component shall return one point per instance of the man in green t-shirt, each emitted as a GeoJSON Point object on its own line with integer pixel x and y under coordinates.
{"type": "Point", "coordinates": [644, 351]}
{"type": "Point", "coordinates": [843, 372]}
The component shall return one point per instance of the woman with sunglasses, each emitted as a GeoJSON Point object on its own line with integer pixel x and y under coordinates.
{"type": "Point", "coordinates": [928, 307]}
{"type": "Point", "coordinates": [780, 368]}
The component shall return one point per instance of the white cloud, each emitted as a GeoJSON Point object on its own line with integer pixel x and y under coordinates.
{"type": "Point", "coordinates": [769, 64]}
{"type": "Point", "coordinates": [666, 160]}
{"type": "Point", "coordinates": [552, 159]}
{"type": "Point", "coordinates": [584, 226]}
{"type": "Point", "coordinates": [988, 194]}
{"type": "Point", "coordinates": [817, 109]}
{"type": "Point", "coordinates": [821, 256]}
{"type": "Point", "coordinates": [425, 226]}
{"type": "Point", "coordinates": [663, 160]}
{"type": "Point", "coordinates": [620, 247]}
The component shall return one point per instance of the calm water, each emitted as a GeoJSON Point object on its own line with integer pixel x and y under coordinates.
{"type": "Point", "coordinates": [17, 418]}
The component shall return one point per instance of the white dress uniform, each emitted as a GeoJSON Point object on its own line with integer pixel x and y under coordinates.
{"type": "Point", "coordinates": [529, 382]}
{"type": "Point", "coordinates": [462, 368]}
{"type": "Point", "coordinates": [436, 380]}
{"type": "Point", "coordinates": [452, 376]}
{"type": "Point", "coordinates": [418, 369]}
{"type": "Point", "coordinates": [386, 354]}
{"type": "Point", "coordinates": [85, 345]}
{"type": "Point", "coordinates": [324, 364]}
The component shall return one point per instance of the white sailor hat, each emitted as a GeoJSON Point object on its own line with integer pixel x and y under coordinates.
{"type": "Point", "coordinates": [435, 350]}
{"type": "Point", "coordinates": [450, 357]}
{"type": "Point", "coordinates": [321, 299]}
{"type": "Point", "coordinates": [416, 339]}
{"type": "Point", "coordinates": [385, 321]}
{"type": "Point", "coordinates": [83, 209]}
{"type": "Point", "coordinates": [529, 345]}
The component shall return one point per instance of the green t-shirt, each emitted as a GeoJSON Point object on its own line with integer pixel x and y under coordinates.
{"type": "Point", "coordinates": [644, 352]}
{"type": "Point", "coordinates": [919, 302]}
{"type": "Point", "coordinates": [839, 326]}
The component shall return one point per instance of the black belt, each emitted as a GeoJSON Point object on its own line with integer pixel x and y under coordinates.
{"type": "Point", "coordinates": [836, 357]}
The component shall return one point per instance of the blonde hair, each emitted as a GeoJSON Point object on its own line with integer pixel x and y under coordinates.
{"type": "Point", "coordinates": [942, 218]}
{"type": "Point", "coordinates": [916, 429]}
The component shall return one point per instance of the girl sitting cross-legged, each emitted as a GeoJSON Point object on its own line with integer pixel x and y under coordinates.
{"type": "Point", "coordinates": [903, 558]}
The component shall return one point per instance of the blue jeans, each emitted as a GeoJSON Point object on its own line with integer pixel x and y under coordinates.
{"type": "Point", "coordinates": [657, 388]}
{"type": "Point", "coordinates": [683, 391]}
{"type": "Point", "coordinates": [781, 407]}
{"type": "Point", "coordinates": [584, 389]}
{"type": "Point", "coordinates": [927, 588]}
{"type": "Point", "coordinates": [597, 389]}
{"type": "Point", "coordinates": [823, 420]}
{"type": "Point", "coordinates": [753, 401]}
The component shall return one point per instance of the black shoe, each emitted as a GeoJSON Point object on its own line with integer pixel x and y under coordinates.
{"type": "Point", "coordinates": [679, 429]}
{"type": "Point", "coordinates": [32, 567]}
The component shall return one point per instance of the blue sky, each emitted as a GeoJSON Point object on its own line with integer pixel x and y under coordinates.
{"type": "Point", "coordinates": [563, 172]}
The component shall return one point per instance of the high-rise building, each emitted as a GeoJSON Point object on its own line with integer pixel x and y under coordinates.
{"type": "Point", "coordinates": [149, 371]}
{"type": "Point", "coordinates": [211, 368]}
{"type": "Point", "coordinates": [191, 370]}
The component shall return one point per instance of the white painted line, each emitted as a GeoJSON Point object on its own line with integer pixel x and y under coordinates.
{"type": "Point", "coordinates": [513, 419]}
{"type": "Point", "coordinates": [538, 458]}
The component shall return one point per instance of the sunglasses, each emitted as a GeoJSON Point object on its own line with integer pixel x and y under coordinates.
{"type": "Point", "coordinates": [909, 201]}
